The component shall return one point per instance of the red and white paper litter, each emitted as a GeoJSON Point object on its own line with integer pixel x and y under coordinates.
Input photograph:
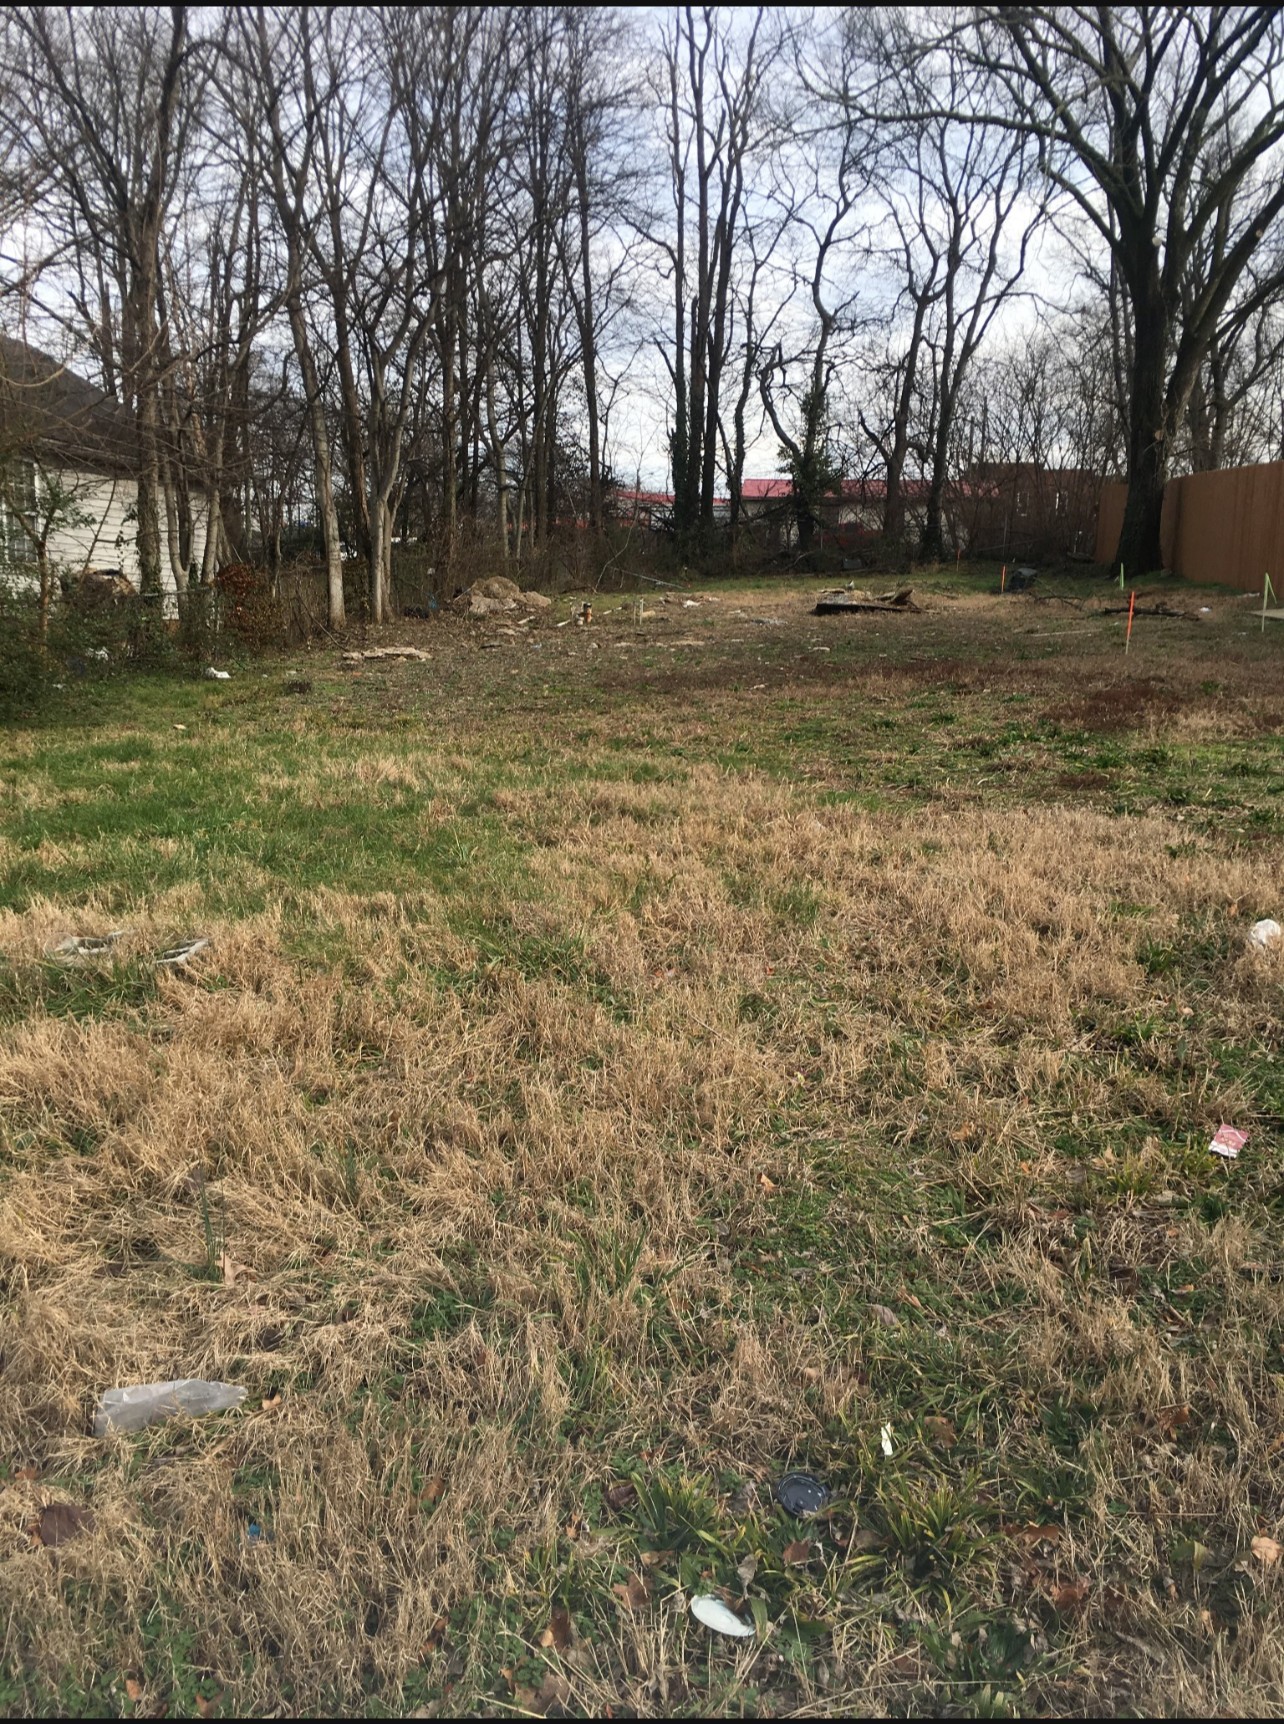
{"type": "Point", "coordinates": [1228, 1142]}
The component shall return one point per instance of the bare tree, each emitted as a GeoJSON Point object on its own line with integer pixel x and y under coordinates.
{"type": "Point", "coordinates": [105, 103]}
{"type": "Point", "coordinates": [711, 87]}
{"type": "Point", "coordinates": [964, 208]}
{"type": "Point", "coordinates": [838, 176]}
{"type": "Point", "coordinates": [598, 99]}
{"type": "Point", "coordinates": [1155, 123]}
{"type": "Point", "coordinates": [277, 48]}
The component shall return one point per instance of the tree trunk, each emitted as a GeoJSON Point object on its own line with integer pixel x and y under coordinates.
{"type": "Point", "coordinates": [498, 457]}
{"type": "Point", "coordinates": [1139, 548]}
{"type": "Point", "coordinates": [322, 468]}
{"type": "Point", "coordinates": [932, 548]}
{"type": "Point", "coordinates": [213, 522]}
{"type": "Point", "coordinates": [178, 568]}
{"type": "Point", "coordinates": [46, 587]}
{"type": "Point", "coordinates": [149, 536]}
{"type": "Point", "coordinates": [588, 343]}
{"type": "Point", "coordinates": [894, 501]}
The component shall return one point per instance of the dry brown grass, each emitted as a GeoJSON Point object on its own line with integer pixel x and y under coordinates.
{"type": "Point", "coordinates": [721, 1016]}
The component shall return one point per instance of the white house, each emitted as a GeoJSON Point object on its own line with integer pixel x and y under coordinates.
{"type": "Point", "coordinates": [67, 459]}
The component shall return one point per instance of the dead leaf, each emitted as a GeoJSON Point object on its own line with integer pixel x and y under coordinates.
{"type": "Point", "coordinates": [1069, 1596]}
{"type": "Point", "coordinates": [633, 1593]}
{"type": "Point", "coordinates": [270, 1401]}
{"type": "Point", "coordinates": [621, 1495]}
{"type": "Point", "coordinates": [886, 1316]}
{"type": "Point", "coordinates": [1032, 1535]}
{"type": "Point", "coordinates": [133, 1690]}
{"type": "Point", "coordinates": [436, 1635]}
{"type": "Point", "coordinates": [558, 1633]}
{"type": "Point", "coordinates": [797, 1552]}
{"type": "Point", "coordinates": [554, 1690]}
{"type": "Point", "coordinates": [866, 1539]}
{"type": "Point", "coordinates": [232, 1272]}
{"type": "Point", "coordinates": [1171, 1419]}
{"type": "Point", "coordinates": [432, 1490]}
{"type": "Point", "coordinates": [652, 1558]}
{"type": "Point", "coordinates": [1266, 1550]}
{"type": "Point", "coordinates": [27, 1475]}
{"type": "Point", "coordinates": [768, 1185]}
{"type": "Point", "coordinates": [939, 1432]}
{"type": "Point", "coordinates": [207, 1708]}
{"type": "Point", "coordinates": [61, 1522]}
{"type": "Point", "coordinates": [747, 1569]}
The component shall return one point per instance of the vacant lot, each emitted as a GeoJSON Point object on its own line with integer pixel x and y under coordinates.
{"type": "Point", "coordinates": [631, 1063]}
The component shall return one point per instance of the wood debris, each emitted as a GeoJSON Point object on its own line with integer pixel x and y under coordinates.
{"type": "Point", "coordinates": [385, 652]}
{"type": "Point", "coordinates": [842, 600]}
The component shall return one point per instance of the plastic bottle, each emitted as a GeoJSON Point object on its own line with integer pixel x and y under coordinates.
{"type": "Point", "coordinates": [142, 1404]}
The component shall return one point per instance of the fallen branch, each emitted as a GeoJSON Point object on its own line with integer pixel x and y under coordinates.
{"type": "Point", "coordinates": [1159, 610]}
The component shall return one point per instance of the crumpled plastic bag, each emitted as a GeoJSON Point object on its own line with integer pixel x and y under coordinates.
{"type": "Point", "coordinates": [130, 1409]}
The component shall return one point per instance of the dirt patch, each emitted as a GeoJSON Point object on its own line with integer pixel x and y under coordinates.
{"type": "Point", "coordinates": [1124, 705]}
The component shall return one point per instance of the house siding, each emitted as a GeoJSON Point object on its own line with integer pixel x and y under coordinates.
{"type": "Point", "coordinates": [108, 538]}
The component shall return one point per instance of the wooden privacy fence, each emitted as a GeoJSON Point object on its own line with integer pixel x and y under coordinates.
{"type": "Point", "coordinates": [1226, 527]}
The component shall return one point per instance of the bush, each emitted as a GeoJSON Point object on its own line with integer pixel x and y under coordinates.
{"type": "Point", "coordinates": [24, 666]}
{"type": "Point", "coordinates": [81, 644]}
{"type": "Point", "coordinates": [247, 606]}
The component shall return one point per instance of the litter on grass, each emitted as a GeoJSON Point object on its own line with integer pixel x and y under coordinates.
{"type": "Point", "coordinates": [714, 1614]}
{"type": "Point", "coordinates": [180, 954]}
{"type": "Point", "coordinates": [885, 1436]}
{"type": "Point", "coordinates": [213, 675]}
{"type": "Point", "coordinates": [1265, 933]}
{"type": "Point", "coordinates": [1228, 1142]}
{"type": "Point", "coordinates": [801, 1494]}
{"type": "Point", "coordinates": [142, 1404]}
{"type": "Point", "coordinates": [59, 1523]}
{"type": "Point", "coordinates": [86, 945]}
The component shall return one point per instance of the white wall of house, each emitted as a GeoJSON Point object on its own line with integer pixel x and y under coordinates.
{"type": "Point", "coordinates": [107, 537]}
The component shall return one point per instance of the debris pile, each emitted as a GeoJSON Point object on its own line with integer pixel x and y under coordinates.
{"type": "Point", "coordinates": [841, 600]}
{"type": "Point", "coordinates": [489, 597]}
{"type": "Point", "coordinates": [384, 652]}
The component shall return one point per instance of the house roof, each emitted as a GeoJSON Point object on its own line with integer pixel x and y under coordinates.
{"type": "Point", "coordinates": [50, 411]}
{"type": "Point", "coordinates": [851, 490]}
{"type": "Point", "coordinates": [760, 490]}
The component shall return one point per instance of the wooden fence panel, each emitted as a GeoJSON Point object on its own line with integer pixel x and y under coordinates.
{"type": "Point", "coordinates": [1225, 527]}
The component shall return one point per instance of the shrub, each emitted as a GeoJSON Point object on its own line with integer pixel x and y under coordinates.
{"type": "Point", "coordinates": [247, 606]}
